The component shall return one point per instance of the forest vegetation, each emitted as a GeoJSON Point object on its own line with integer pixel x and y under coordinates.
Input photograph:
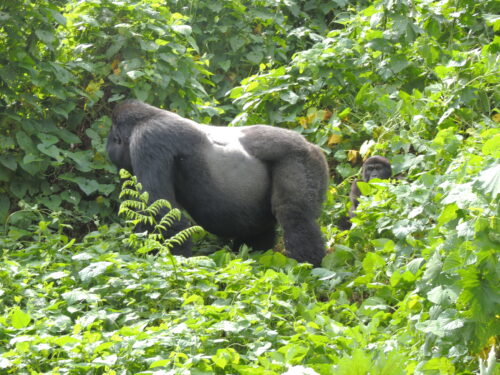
{"type": "Point", "coordinates": [412, 288]}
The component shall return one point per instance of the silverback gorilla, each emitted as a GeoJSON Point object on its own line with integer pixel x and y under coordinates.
{"type": "Point", "coordinates": [373, 167]}
{"type": "Point", "coordinates": [237, 183]}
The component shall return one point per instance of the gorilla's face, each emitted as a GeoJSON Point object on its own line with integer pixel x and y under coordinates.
{"type": "Point", "coordinates": [376, 169]}
{"type": "Point", "coordinates": [118, 150]}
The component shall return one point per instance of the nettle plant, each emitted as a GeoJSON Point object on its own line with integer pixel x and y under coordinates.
{"type": "Point", "coordinates": [428, 248]}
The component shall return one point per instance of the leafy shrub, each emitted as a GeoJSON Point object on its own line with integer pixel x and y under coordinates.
{"type": "Point", "coordinates": [238, 37]}
{"type": "Point", "coordinates": [385, 82]}
{"type": "Point", "coordinates": [55, 100]}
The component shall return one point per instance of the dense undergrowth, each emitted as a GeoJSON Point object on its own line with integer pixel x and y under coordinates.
{"type": "Point", "coordinates": [411, 288]}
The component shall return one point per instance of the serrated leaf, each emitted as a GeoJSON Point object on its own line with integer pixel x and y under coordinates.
{"type": "Point", "coordinates": [109, 360]}
{"type": "Point", "coordinates": [93, 270]}
{"type": "Point", "coordinates": [75, 296]}
{"type": "Point", "coordinates": [489, 181]}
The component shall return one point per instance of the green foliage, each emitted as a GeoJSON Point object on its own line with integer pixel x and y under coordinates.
{"type": "Point", "coordinates": [95, 306]}
{"type": "Point", "coordinates": [412, 288]}
{"type": "Point", "coordinates": [240, 37]}
{"type": "Point", "coordinates": [433, 247]}
{"type": "Point", "coordinates": [387, 81]}
{"type": "Point", "coordinates": [60, 68]}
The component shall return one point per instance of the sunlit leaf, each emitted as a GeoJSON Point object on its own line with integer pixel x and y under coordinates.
{"type": "Point", "coordinates": [489, 180]}
{"type": "Point", "coordinates": [19, 319]}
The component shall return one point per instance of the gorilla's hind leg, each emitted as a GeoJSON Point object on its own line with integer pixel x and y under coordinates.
{"type": "Point", "coordinates": [298, 188]}
{"type": "Point", "coordinates": [302, 235]}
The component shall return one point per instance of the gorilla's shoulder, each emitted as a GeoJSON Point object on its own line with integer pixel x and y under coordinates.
{"type": "Point", "coordinates": [132, 112]}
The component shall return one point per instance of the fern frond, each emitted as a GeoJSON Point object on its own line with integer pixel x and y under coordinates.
{"type": "Point", "coordinates": [129, 193]}
{"type": "Point", "coordinates": [137, 210]}
{"type": "Point", "coordinates": [156, 206]}
{"type": "Point", "coordinates": [170, 217]}
{"type": "Point", "coordinates": [183, 236]}
{"type": "Point", "coordinates": [136, 205]}
{"type": "Point", "coordinates": [124, 174]}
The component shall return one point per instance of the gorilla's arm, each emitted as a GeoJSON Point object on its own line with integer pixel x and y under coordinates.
{"type": "Point", "coordinates": [154, 167]}
{"type": "Point", "coordinates": [353, 197]}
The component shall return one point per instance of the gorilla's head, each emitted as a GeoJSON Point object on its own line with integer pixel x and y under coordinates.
{"type": "Point", "coordinates": [125, 117]}
{"type": "Point", "coordinates": [118, 148]}
{"type": "Point", "coordinates": [376, 167]}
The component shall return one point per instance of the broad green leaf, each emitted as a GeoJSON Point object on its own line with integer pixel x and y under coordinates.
{"type": "Point", "coordinates": [94, 270]}
{"type": "Point", "coordinates": [300, 370]}
{"type": "Point", "coordinates": [58, 16]}
{"type": "Point", "coordinates": [25, 142]}
{"type": "Point", "coordinates": [372, 262]}
{"type": "Point", "coordinates": [52, 151]}
{"type": "Point", "coordinates": [492, 146]}
{"type": "Point", "coordinates": [9, 161]}
{"type": "Point", "coordinates": [45, 36]}
{"type": "Point", "coordinates": [373, 304]}
{"type": "Point", "coordinates": [56, 275]}
{"type": "Point", "coordinates": [5, 363]}
{"type": "Point", "coordinates": [19, 319]}
{"type": "Point", "coordinates": [448, 214]}
{"type": "Point", "coordinates": [365, 187]}
{"type": "Point", "coordinates": [135, 74]}
{"type": "Point", "coordinates": [290, 97]}
{"type": "Point", "coordinates": [86, 185]}
{"type": "Point", "coordinates": [109, 360]}
{"type": "Point", "coordinates": [414, 265]}
{"type": "Point", "coordinates": [441, 364]}
{"type": "Point", "coordinates": [489, 181]}
{"type": "Point", "coordinates": [255, 56]}
{"type": "Point", "coordinates": [359, 363]}
{"type": "Point", "coordinates": [66, 340]}
{"type": "Point", "coordinates": [160, 363]}
{"type": "Point", "coordinates": [438, 295]}
{"type": "Point", "coordinates": [223, 357]}
{"type": "Point", "coordinates": [462, 195]}
{"type": "Point", "coordinates": [83, 160]}
{"type": "Point", "coordinates": [182, 29]}
{"type": "Point", "coordinates": [75, 296]}
{"type": "Point", "coordinates": [236, 42]}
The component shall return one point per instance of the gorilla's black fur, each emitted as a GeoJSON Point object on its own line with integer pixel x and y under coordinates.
{"type": "Point", "coordinates": [235, 182]}
{"type": "Point", "coordinates": [373, 167]}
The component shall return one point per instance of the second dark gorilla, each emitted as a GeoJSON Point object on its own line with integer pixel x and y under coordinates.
{"type": "Point", "coordinates": [235, 182]}
{"type": "Point", "coordinates": [373, 167]}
